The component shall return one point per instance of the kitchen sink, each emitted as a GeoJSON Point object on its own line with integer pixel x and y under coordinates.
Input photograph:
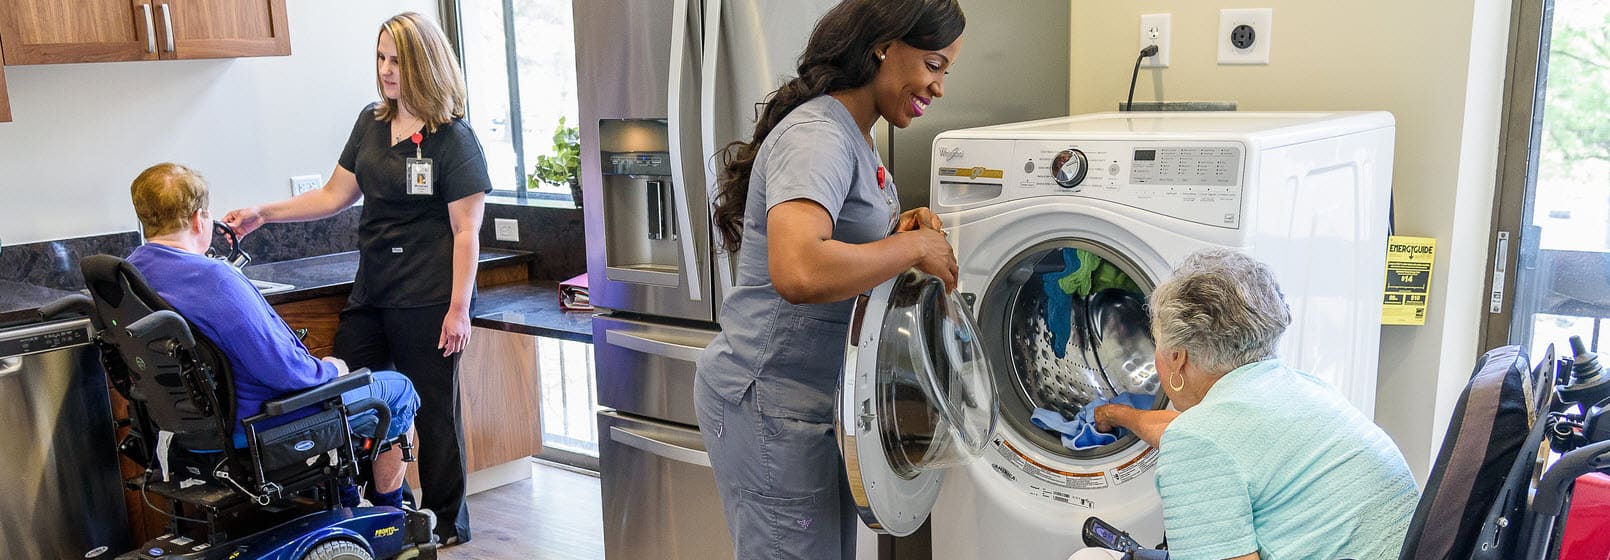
{"type": "Point", "coordinates": [269, 288]}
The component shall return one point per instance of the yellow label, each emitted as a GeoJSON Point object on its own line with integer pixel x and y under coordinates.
{"type": "Point", "coordinates": [971, 172]}
{"type": "Point", "coordinates": [1408, 279]}
{"type": "Point", "coordinates": [385, 532]}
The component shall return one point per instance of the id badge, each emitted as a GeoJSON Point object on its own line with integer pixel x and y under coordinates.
{"type": "Point", "coordinates": [421, 178]}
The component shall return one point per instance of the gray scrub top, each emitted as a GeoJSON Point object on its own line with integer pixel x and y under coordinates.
{"type": "Point", "coordinates": [792, 354]}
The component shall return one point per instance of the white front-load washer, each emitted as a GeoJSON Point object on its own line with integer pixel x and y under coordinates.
{"type": "Point", "coordinates": [1127, 196]}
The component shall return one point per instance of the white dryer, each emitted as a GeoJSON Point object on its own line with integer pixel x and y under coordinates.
{"type": "Point", "coordinates": [1120, 198]}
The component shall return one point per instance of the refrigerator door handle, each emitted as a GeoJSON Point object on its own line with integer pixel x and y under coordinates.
{"type": "Point", "coordinates": [681, 352]}
{"type": "Point", "coordinates": [707, 134]}
{"type": "Point", "coordinates": [659, 448]}
{"type": "Point", "coordinates": [674, 121]}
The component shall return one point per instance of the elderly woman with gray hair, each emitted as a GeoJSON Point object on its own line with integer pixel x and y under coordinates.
{"type": "Point", "coordinates": [1259, 460]}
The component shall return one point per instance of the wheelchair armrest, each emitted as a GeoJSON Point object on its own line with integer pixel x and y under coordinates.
{"type": "Point", "coordinates": [73, 304]}
{"type": "Point", "coordinates": [1550, 498]}
{"type": "Point", "coordinates": [164, 324]}
{"type": "Point", "coordinates": [315, 395]}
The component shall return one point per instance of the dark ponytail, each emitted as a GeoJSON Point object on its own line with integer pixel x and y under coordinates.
{"type": "Point", "coordinates": [839, 56]}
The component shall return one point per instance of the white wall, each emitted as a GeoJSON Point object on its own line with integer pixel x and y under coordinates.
{"type": "Point", "coordinates": [1437, 65]}
{"type": "Point", "coordinates": [83, 131]}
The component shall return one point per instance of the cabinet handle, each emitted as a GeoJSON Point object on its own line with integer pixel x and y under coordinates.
{"type": "Point", "coordinates": [167, 23]}
{"type": "Point", "coordinates": [150, 30]}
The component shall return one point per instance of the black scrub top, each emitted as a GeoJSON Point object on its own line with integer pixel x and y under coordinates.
{"type": "Point", "coordinates": [405, 241]}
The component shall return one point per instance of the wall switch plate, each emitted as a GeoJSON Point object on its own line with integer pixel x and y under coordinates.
{"type": "Point", "coordinates": [1245, 35]}
{"type": "Point", "coordinates": [506, 229]}
{"type": "Point", "coordinates": [1154, 30]}
{"type": "Point", "coordinates": [304, 183]}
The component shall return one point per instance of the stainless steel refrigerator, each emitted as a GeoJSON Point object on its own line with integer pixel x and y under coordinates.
{"type": "Point", "coordinates": [663, 84]}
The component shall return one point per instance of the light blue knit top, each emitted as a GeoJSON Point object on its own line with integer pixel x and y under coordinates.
{"type": "Point", "coordinates": [1275, 460]}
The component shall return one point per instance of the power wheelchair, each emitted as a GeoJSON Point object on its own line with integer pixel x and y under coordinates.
{"type": "Point", "coordinates": [277, 497]}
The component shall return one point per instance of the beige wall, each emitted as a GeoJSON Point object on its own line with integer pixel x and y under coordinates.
{"type": "Point", "coordinates": [83, 131]}
{"type": "Point", "coordinates": [1436, 65]}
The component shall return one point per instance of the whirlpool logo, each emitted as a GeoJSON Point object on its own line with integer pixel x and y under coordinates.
{"type": "Point", "coordinates": [303, 445]}
{"type": "Point", "coordinates": [952, 154]}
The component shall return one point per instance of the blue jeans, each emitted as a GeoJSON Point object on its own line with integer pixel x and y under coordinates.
{"type": "Point", "coordinates": [390, 387]}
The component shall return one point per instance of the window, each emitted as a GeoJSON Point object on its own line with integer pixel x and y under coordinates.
{"type": "Point", "coordinates": [1552, 231]}
{"type": "Point", "coordinates": [520, 63]}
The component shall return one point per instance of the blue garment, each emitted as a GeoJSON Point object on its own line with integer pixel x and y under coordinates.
{"type": "Point", "coordinates": [1059, 303]}
{"type": "Point", "coordinates": [1274, 460]}
{"type": "Point", "coordinates": [220, 303]}
{"type": "Point", "coordinates": [1080, 433]}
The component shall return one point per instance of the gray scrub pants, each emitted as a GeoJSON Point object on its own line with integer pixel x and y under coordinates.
{"type": "Point", "coordinates": [782, 482]}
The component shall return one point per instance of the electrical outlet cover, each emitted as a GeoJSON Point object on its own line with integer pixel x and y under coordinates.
{"type": "Point", "coordinates": [304, 183]}
{"type": "Point", "coordinates": [1261, 22]}
{"type": "Point", "coordinates": [1154, 30]}
{"type": "Point", "coordinates": [506, 229]}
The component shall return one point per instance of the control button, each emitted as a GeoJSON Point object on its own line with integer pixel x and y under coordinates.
{"type": "Point", "coordinates": [1069, 168]}
{"type": "Point", "coordinates": [1113, 170]}
{"type": "Point", "coordinates": [1028, 166]}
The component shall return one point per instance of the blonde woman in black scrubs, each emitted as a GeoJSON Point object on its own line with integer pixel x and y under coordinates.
{"type": "Point", "coordinates": [422, 176]}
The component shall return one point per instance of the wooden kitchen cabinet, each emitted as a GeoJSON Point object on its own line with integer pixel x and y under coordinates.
{"type": "Point", "coordinates": [5, 100]}
{"type": "Point", "coordinates": [66, 31]}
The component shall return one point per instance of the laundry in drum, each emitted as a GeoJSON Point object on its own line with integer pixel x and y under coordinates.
{"type": "Point", "coordinates": [1080, 433]}
{"type": "Point", "coordinates": [1082, 274]}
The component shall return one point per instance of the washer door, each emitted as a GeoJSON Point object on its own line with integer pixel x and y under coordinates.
{"type": "Point", "coordinates": [917, 396]}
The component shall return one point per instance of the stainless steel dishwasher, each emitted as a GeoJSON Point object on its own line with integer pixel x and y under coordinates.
{"type": "Point", "coordinates": [59, 494]}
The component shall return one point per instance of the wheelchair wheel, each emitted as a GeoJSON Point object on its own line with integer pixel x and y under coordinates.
{"type": "Point", "coordinates": [338, 550]}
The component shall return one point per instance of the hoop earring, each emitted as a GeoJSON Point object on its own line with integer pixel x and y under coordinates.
{"type": "Point", "coordinates": [1171, 385]}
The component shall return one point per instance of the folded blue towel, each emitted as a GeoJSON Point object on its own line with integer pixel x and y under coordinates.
{"type": "Point", "coordinates": [1080, 433]}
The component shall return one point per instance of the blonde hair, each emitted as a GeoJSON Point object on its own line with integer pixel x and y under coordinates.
{"type": "Point", "coordinates": [165, 196]}
{"type": "Point", "coordinates": [431, 81]}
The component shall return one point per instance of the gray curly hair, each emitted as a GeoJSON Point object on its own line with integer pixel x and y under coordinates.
{"type": "Point", "coordinates": [1223, 308]}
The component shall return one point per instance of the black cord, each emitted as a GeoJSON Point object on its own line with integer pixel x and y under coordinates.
{"type": "Point", "coordinates": [1150, 50]}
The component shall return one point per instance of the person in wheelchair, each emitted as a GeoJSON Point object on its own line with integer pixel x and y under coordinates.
{"type": "Point", "coordinates": [218, 301]}
{"type": "Point", "coordinates": [1259, 460]}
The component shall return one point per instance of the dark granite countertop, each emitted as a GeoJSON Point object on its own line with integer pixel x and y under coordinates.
{"type": "Point", "coordinates": [332, 274]}
{"type": "Point", "coordinates": [20, 302]}
{"type": "Point", "coordinates": [310, 277]}
{"type": "Point", "coordinates": [531, 308]}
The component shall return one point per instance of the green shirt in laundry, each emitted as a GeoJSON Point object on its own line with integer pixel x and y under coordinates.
{"type": "Point", "coordinates": [1274, 460]}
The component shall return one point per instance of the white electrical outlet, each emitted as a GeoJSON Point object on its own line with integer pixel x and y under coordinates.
{"type": "Point", "coordinates": [304, 183]}
{"type": "Point", "coordinates": [1245, 35]}
{"type": "Point", "coordinates": [506, 229]}
{"type": "Point", "coordinates": [1154, 30]}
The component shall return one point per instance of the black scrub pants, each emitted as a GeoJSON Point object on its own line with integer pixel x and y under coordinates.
{"type": "Point", "coordinates": [405, 340]}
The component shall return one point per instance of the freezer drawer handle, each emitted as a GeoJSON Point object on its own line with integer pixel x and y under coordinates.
{"type": "Point", "coordinates": [673, 452]}
{"type": "Point", "coordinates": [645, 345]}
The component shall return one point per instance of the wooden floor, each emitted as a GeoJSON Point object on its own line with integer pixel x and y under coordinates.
{"type": "Point", "coordinates": [555, 515]}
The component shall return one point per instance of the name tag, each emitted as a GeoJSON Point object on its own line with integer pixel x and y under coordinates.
{"type": "Point", "coordinates": [421, 178]}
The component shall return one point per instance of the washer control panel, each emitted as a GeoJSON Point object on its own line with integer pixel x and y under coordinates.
{"type": "Point", "coordinates": [1201, 182]}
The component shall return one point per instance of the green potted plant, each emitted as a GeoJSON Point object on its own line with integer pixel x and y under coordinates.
{"type": "Point", "coordinates": [563, 166]}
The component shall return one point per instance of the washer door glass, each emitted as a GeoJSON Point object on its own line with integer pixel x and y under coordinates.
{"type": "Point", "coordinates": [936, 396]}
{"type": "Point", "coordinates": [918, 396]}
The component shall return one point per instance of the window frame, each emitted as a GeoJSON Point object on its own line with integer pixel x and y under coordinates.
{"type": "Point", "coordinates": [453, 26]}
{"type": "Point", "coordinates": [1520, 139]}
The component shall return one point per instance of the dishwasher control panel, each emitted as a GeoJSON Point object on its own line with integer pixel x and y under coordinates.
{"type": "Point", "coordinates": [44, 338]}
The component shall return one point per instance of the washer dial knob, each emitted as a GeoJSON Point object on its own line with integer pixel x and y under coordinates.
{"type": "Point", "coordinates": [1069, 168]}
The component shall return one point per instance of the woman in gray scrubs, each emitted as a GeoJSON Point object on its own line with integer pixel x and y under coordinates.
{"type": "Point", "coordinates": [818, 220]}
